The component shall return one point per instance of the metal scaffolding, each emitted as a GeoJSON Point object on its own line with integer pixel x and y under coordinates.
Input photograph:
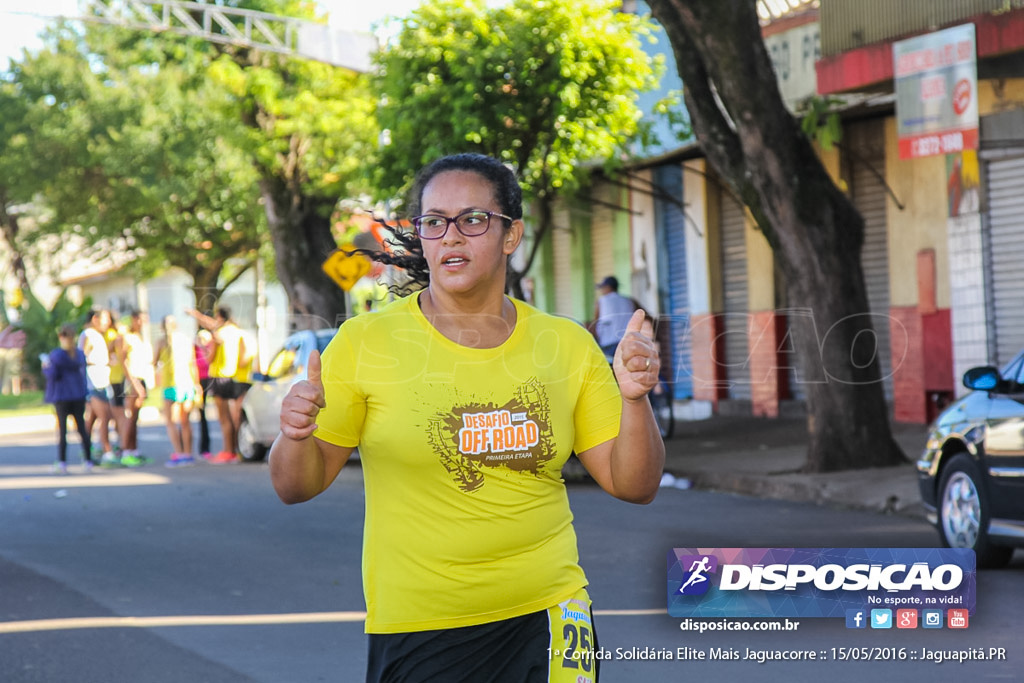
{"type": "Point", "coordinates": [231, 26]}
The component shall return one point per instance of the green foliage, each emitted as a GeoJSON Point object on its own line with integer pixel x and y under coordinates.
{"type": "Point", "coordinates": [130, 148]}
{"type": "Point", "coordinates": [309, 124]}
{"type": "Point", "coordinates": [164, 149]}
{"type": "Point", "coordinates": [820, 120]}
{"type": "Point", "coordinates": [672, 108]}
{"type": "Point", "coordinates": [41, 325]}
{"type": "Point", "coordinates": [547, 86]}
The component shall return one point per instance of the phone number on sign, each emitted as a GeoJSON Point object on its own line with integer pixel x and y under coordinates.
{"type": "Point", "coordinates": [938, 144]}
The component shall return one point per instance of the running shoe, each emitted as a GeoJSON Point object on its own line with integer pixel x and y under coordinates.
{"type": "Point", "coordinates": [180, 460]}
{"type": "Point", "coordinates": [87, 466]}
{"type": "Point", "coordinates": [59, 467]}
{"type": "Point", "coordinates": [110, 460]}
{"type": "Point", "coordinates": [134, 460]}
{"type": "Point", "coordinates": [223, 458]}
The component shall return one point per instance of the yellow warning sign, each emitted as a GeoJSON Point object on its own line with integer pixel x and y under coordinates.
{"type": "Point", "coordinates": [346, 269]}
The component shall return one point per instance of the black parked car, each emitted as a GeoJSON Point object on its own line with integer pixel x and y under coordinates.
{"type": "Point", "coordinates": [971, 474]}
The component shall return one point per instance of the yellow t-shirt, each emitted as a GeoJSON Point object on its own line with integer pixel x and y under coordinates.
{"type": "Point", "coordinates": [225, 356]}
{"type": "Point", "coordinates": [467, 517]}
{"type": "Point", "coordinates": [176, 362]}
{"type": "Point", "coordinates": [116, 369]}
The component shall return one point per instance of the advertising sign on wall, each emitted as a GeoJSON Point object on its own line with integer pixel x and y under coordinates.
{"type": "Point", "coordinates": [936, 83]}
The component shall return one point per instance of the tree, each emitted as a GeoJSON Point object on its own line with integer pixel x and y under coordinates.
{"type": "Point", "coordinates": [131, 153]}
{"type": "Point", "coordinates": [172, 143]}
{"type": "Point", "coordinates": [548, 87]}
{"type": "Point", "coordinates": [15, 186]}
{"type": "Point", "coordinates": [758, 148]}
{"type": "Point", "coordinates": [310, 133]}
{"type": "Point", "coordinates": [309, 130]}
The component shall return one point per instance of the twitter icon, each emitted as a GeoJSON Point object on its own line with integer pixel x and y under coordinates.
{"type": "Point", "coordinates": [881, 618]}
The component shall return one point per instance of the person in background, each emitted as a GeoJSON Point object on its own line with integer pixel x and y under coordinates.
{"type": "Point", "coordinates": [137, 357]}
{"type": "Point", "coordinates": [242, 376]}
{"type": "Point", "coordinates": [64, 370]}
{"type": "Point", "coordinates": [225, 365]}
{"type": "Point", "coordinates": [93, 345]}
{"type": "Point", "coordinates": [117, 409]}
{"type": "Point", "coordinates": [179, 381]}
{"type": "Point", "coordinates": [203, 351]}
{"type": "Point", "coordinates": [611, 315]}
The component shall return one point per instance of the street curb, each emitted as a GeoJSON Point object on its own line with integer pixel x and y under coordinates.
{"type": "Point", "coordinates": [824, 490]}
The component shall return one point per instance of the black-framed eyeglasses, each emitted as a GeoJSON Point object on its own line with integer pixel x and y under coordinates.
{"type": "Point", "coordinates": [471, 223]}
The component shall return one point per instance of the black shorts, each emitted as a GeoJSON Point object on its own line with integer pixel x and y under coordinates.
{"type": "Point", "coordinates": [129, 389]}
{"type": "Point", "coordinates": [527, 649]}
{"type": "Point", "coordinates": [223, 387]}
{"type": "Point", "coordinates": [117, 394]}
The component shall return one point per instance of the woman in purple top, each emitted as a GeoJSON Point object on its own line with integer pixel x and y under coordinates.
{"type": "Point", "coordinates": [64, 369]}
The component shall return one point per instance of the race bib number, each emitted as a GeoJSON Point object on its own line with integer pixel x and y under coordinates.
{"type": "Point", "coordinates": [573, 646]}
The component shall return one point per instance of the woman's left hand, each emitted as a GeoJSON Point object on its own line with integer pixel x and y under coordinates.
{"type": "Point", "coordinates": [637, 363]}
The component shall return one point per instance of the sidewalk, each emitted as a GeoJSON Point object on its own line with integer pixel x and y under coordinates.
{"type": "Point", "coordinates": [762, 457]}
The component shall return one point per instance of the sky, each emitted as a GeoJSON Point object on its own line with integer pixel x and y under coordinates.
{"type": "Point", "coordinates": [19, 28]}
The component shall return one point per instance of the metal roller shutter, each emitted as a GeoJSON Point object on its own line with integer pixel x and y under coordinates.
{"type": "Point", "coordinates": [734, 289]}
{"type": "Point", "coordinates": [671, 227]}
{"type": "Point", "coordinates": [868, 195]}
{"type": "Point", "coordinates": [1005, 177]}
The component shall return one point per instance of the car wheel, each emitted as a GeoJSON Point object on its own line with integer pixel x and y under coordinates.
{"type": "Point", "coordinates": [251, 449]}
{"type": "Point", "coordinates": [964, 512]}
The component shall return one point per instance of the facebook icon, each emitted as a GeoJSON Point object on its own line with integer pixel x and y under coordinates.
{"type": "Point", "coordinates": [856, 618]}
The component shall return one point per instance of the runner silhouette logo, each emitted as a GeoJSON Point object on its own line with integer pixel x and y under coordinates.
{"type": "Point", "coordinates": [698, 567]}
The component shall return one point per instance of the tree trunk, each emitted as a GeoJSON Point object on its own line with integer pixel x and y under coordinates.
{"type": "Point", "coordinates": [300, 230]}
{"type": "Point", "coordinates": [10, 229]}
{"type": "Point", "coordinates": [542, 218]}
{"type": "Point", "coordinates": [756, 145]}
{"type": "Point", "coordinates": [205, 285]}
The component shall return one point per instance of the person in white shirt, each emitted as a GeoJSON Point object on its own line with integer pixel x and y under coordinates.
{"type": "Point", "coordinates": [97, 372]}
{"type": "Point", "coordinates": [611, 315]}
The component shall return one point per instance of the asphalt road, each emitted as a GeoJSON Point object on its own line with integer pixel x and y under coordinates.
{"type": "Point", "coordinates": [201, 574]}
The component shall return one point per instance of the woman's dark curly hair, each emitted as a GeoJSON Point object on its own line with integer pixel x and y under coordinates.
{"type": "Point", "coordinates": [409, 254]}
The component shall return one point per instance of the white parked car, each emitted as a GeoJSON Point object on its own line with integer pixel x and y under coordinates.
{"type": "Point", "coordinates": [261, 407]}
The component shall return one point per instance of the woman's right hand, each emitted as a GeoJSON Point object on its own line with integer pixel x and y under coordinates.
{"type": "Point", "coordinates": [303, 403]}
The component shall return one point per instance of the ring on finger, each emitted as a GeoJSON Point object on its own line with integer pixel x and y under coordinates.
{"type": "Point", "coordinates": [647, 366]}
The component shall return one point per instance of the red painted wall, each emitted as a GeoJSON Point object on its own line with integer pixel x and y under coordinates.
{"type": "Point", "coordinates": [706, 331]}
{"type": "Point", "coordinates": [766, 333]}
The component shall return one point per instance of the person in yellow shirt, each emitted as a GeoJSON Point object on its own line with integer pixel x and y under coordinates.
{"type": "Point", "coordinates": [229, 377]}
{"type": "Point", "coordinates": [179, 384]}
{"type": "Point", "coordinates": [465, 404]}
{"type": "Point", "coordinates": [136, 356]}
{"type": "Point", "coordinates": [117, 409]}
